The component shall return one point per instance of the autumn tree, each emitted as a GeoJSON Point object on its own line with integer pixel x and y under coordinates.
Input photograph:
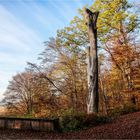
{"type": "Point", "coordinates": [30, 94]}
{"type": "Point", "coordinates": [116, 25]}
{"type": "Point", "coordinates": [19, 96]}
{"type": "Point", "coordinates": [66, 72]}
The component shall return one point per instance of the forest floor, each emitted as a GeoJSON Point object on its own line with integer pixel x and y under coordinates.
{"type": "Point", "coordinates": [124, 127]}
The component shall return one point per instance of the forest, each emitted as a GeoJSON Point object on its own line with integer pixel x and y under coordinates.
{"type": "Point", "coordinates": [58, 84]}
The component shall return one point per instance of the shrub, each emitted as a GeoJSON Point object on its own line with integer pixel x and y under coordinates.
{"type": "Point", "coordinates": [115, 112]}
{"type": "Point", "coordinates": [128, 108]}
{"type": "Point", "coordinates": [81, 121]}
{"type": "Point", "coordinates": [121, 110]}
{"type": "Point", "coordinates": [70, 121]}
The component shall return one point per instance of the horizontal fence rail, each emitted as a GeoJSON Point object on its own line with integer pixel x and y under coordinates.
{"type": "Point", "coordinates": [30, 124]}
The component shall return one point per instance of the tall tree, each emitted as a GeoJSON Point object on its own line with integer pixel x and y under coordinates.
{"type": "Point", "coordinates": [93, 99]}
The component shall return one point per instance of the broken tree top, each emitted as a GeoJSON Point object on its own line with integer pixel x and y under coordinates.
{"type": "Point", "coordinates": [90, 12]}
{"type": "Point", "coordinates": [91, 16]}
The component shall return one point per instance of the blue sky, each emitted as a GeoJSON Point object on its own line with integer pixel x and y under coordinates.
{"type": "Point", "coordinates": [24, 26]}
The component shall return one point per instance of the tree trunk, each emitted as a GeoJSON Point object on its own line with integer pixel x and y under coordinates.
{"type": "Point", "coordinates": [92, 70]}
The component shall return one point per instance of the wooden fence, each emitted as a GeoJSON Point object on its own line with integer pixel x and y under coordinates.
{"type": "Point", "coordinates": [30, 124]}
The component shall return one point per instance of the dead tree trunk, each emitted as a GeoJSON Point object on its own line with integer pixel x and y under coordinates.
{"type": "Point", "coordinates": [92, 70]}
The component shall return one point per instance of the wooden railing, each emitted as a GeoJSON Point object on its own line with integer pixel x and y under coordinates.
{"type": "Point", "coordinates": [30, 124]}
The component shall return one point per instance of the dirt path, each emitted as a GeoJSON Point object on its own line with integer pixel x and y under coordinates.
{"type": "Point", "coordinates": [125, 127]}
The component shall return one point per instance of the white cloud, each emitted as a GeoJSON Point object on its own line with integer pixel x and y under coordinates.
{"type": "Point", "coordinates": [5, 78]}
{"type": "Point", "coordinates": [11, 60]}
{"type": "Point", "coordinates": [14, 33]}
{"type": "Point", "coordinates": [18, 38]}
{"type": "Point", "coordinates": [10, 65]}
{"type": "Point", "coordinates": [42, 15]}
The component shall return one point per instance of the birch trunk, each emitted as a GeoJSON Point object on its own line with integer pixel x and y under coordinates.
{"type": "Point", "coordinates": [92, 70]}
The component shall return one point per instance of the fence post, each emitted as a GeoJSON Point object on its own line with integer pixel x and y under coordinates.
{"type": "Point", "coordinates": [56, 125]}
{"type": "Point", "coordinates": [5, 123]}
{"type": "Point", "coordinates": [31, 128]}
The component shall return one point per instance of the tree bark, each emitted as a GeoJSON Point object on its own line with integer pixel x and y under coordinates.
{"type": "Point", "coordinates": [92, 56]}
